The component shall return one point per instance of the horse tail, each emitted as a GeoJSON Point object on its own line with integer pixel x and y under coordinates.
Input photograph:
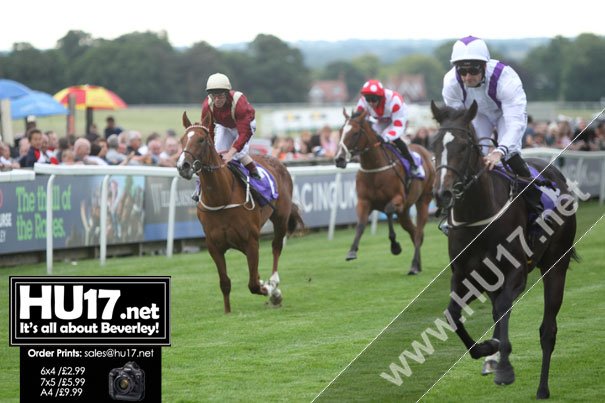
{"type": "Point", "coordinates": [573, 254]}
{"type": "Point", "coordinates": [295, 220]}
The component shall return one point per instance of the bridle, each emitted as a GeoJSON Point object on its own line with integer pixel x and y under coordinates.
{"type": "Point", "coordinates": [360, 151]}
{"type": "Point", "coordinates": [354, 150]}
{"type": "Point", "coordinates": [466, 179]}
{"type": "Point", "coordinates": [198, 165]}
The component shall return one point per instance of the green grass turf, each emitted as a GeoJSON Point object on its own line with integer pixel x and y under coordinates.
{"type": "Point", "coordinates": [332, 310]}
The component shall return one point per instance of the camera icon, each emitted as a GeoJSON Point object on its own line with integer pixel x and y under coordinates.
{"type": "Point", "coordinates": [127, 383]}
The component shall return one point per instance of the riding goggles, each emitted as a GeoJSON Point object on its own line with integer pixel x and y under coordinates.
{"type": "Point", "coordinates": [218, 92]}
{"type": "Point", "coordinates": [472, 70]}
{"type": "Point", "coordinates": [372, 98]}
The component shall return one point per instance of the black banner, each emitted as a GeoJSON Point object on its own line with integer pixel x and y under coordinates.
{"type": "Point", "coordinates": [89, 310]}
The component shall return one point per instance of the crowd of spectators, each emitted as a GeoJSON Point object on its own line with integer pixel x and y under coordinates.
{"type": "Point", "coordinates": [565, 132]}
{"type": "Point", "coordinates": [115, 147]}
{"type": "Point", "coordinates": [126, 147]}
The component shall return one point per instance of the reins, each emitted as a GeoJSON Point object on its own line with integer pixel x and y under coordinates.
{"type": "Point", "coordinates": [467, 179]}
{"type": "Point", "coordinates": [198, 166]}
{"type": "Point", "coordinates": [249, 199]}
{"type": "Point", "coordinates": [366, 149]}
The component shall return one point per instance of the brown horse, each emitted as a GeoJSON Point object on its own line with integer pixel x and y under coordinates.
{"type": "Point", "coordinates": [382, 185]}
{"type": "Point", "coordinates": [230, 217]}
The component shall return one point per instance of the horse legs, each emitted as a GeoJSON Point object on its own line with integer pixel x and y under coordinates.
{"type": "Point", "coordinates": [395, 246]}
{"type": "Point", "coordinates": [504, 374]}
{"type": "Point", "coordinates": [554, 284]}
{"type": "Point", "coordinates": [491, 361]}
{"type": "Point", "coordinates": [363, 210]}
{"type": "Point", "coordinates": [221, 266]}
{"type": "Point", "coordinates": [279, 232]}
{"type": "Point", "coordinates": [461, 296]}
{"type": "Point", "coordinates": [254, 284]}
{"type": "Point", "coordinates": [416, 236]}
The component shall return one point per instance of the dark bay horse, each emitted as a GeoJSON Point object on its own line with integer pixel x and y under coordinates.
{"type": "Point", "coordinates": [230, 218]}
{"type": "Point", "coordinates": [382, 185]}
{"type": "Point", "coordinates": [496, 258]}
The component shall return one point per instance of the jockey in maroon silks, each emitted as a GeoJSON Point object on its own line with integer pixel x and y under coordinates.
{"type": "Point", "coordinates": [233, 121]}
{"type": "Point", "coordinates": [233, 118]}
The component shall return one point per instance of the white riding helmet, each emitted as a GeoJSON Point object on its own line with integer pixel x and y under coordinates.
{"type": "Point", "coordinates": [218, 81]}
{"type": "Point", "coordinates": [470, 48]}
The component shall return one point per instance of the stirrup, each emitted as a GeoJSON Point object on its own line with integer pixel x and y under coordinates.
{"type": "Point", "coordinates": [255, 175]}
{"type": "Point", "coordinates": [444, 226]}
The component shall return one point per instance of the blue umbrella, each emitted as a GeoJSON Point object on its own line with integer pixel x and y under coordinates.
{"type": "Point", "coordinates": [36, 103]}
{"type": "Point", "coordinates": [12, 89]}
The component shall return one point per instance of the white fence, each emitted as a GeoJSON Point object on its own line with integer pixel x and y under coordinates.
{"type": "Point", "coordinates": [585, 168]}
{"type": "Point", "coordinates": [334, 174]}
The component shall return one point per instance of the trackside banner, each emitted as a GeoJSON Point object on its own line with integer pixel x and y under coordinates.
{"type": "Point", "coordinates": [89, 310]}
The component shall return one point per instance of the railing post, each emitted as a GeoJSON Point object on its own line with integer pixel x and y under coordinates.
{"type": "Point", "coordinates": [171, 218]}
{"type": "Point", "coordinates": [103, 221]}
{"type": "Point", "coordinates": [332, 224]}
{"type": "Point", "coordinates": [49, 224]}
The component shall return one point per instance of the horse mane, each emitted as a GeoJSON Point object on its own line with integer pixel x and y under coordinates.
{"type": "Point", "coordinates": [452, 113]}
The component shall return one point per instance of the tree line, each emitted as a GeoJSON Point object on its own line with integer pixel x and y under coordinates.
{"type": "Point", "coordinates": [144, 68]}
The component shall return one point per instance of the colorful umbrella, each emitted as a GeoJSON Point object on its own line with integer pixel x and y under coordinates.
{"type": "Point", "coordinates": [36, 103]}
{"type": "Point", "coordinates": [12, 89]}
{"type": "Point", "coordinates": [91, 96]}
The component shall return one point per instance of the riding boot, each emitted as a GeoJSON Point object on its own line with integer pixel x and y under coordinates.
{"type": "Point", "coordinates": [531, 194]}
{"type": "Point", "coordinates": [405, 153]}
{"type": "Point", "coordinates": [251, 167]}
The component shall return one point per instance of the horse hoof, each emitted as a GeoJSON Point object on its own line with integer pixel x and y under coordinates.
{"type": "Point", "coordinates": [543, 393]}
{"type": "Point", "coordinates": [276, 298]}
{"type": "Point", "coordinates": [395, 248]}
{"type": "Point", "coordinates": [504, 376]}
{"type": "Point", "coordinates": [489, 367]}
{"type": "Point", "coordinates": [413, 271]}
{"type": "Point", "coordinates": [351, 256]}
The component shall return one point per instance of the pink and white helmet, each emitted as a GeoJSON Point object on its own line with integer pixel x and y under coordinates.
{"type": "Point", "coordinates": [373, 87]}
{"type": "Point", "coordinates": [470, 48]}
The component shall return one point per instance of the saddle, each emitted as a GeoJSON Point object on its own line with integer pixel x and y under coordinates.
{"type": "Point", "coordinates": [263, 190]}
{"type": "Point", "coordinates": [548, 189]}
{"type": "Point", "coordinates": [405, 163]}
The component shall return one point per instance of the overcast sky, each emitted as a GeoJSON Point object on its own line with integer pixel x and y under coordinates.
{"type": "Point", "coordinates": [43, 22]}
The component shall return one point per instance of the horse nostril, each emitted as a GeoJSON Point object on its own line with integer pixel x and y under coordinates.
{"type": "Point", "coordinates": [185, 166]}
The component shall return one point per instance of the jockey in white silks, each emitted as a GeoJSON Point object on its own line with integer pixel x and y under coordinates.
{"type": "Point", "coordinates": [501, 102]}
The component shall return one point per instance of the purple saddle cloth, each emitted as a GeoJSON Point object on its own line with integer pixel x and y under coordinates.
{"type": "Point", "coordinates": [548, 194]}
{"type": "Point", "coordinates": [265, 187]}
{"type": "Point", "coordinates": [406, 165]}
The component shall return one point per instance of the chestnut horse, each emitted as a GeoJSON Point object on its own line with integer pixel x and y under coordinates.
{"type": "Point", "coordinates": [487, 241]}
{"type": "Point", "coordinates": [229, 215]}
{"type": "Point", "coordinates": [382, 185]}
